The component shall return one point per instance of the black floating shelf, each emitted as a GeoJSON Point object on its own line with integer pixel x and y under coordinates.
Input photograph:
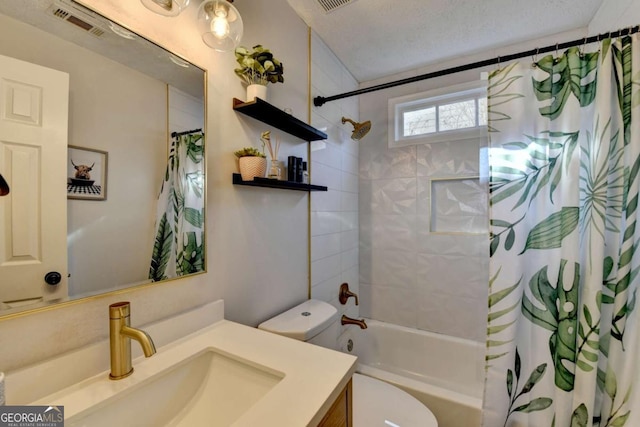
{"type": "Point", "coordinates": [274, 183]}
{"type": "Point", "coordinates": [267, 113]}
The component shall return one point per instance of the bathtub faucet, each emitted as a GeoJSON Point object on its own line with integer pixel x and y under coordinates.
{"type": "Point", "coordinates": [349, 321]}
{"type": "Point", "coordinates": [345, 294]}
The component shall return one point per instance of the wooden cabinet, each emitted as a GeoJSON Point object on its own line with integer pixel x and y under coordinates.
{"type": "Point", "coordinates": [340, 414]}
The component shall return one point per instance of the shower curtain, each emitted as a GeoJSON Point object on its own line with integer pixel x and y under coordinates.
{"type": "Point", "coordinates": [179, 239]}
{"type": "Point", "coordinates": [563, 327]}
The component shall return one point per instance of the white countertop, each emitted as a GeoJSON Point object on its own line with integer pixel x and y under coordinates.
{"type": "Point", "coordinates": [312, 379]}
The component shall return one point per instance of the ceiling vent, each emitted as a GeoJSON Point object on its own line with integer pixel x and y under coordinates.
{"type": "Point", "coordinates": [331, 5]}
{"type": "Point", "coordinates": [67, 11]}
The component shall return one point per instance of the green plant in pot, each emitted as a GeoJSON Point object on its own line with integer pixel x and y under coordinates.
{"type": "Point", "coordinates": [251, 163]}
{"type": "Point", "coordinates": [257, 68]}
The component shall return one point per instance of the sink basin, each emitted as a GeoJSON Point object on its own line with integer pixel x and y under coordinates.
{"type": "Point", "coordinates": [209, 388]}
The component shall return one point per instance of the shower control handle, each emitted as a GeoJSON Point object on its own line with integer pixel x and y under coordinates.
{"type": "Point", "coordinates": [345, 294]}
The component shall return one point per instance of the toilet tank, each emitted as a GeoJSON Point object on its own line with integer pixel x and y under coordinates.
{"type": "Point", "coordinates": [312, 321]}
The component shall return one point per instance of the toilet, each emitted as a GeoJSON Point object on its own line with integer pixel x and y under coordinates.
{"type": "Point", "coordinates": [375, 403]}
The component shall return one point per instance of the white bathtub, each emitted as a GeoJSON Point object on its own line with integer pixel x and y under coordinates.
{"type": "Point", "coordinates": [445, 373]}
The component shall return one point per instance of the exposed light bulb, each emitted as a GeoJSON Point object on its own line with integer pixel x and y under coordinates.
{"type": "Point", "coordinates": [220, 27]}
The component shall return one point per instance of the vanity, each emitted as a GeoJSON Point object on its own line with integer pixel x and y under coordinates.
{"type": "Point", "coordinates": [207, 371]}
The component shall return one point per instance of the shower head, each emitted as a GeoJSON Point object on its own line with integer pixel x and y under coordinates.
{"type": "Point", "coordinates": [359, 129]}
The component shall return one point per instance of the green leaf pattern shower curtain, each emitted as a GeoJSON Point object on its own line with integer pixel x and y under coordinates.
{"type": "Point", "coordinates": [179, 243]}
{"type": "Point", "coordinates": [564, 188]}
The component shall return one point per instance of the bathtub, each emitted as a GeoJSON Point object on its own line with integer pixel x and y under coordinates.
{"type": "Point", "coordinates": [445, 373]}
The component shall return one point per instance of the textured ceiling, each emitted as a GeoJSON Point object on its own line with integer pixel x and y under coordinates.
{"type": "Point", "coordinates": [377, 38]}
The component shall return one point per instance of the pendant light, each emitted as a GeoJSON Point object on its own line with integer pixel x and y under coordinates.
{"type": "Point", "coordinates": [166, 7]}
{"type": "Point", "coordinates": [220, 24]}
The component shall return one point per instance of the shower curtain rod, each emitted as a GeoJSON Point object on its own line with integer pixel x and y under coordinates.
{"type": "Point", "coordinates": [318, 101]}
{"type": "Point", "coordinates": [174, 134]}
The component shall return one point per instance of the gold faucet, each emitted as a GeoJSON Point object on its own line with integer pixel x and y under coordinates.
{"type": "Point", "coordinates": [349, 321]}
{"type": "Point", "coordinates": [120, 335]}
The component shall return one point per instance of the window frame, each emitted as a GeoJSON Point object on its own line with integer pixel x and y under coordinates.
{"type": "Point", "coordinates": [435, 98]}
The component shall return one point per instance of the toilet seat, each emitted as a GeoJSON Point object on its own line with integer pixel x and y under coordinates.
{"type": "Point", "coordinates": [376, 403]}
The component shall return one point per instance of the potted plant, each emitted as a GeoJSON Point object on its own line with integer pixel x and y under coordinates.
{"type": "Point", "coordinates": [257, 68]}
{"type": "Point", "coordinates": [251, 162]}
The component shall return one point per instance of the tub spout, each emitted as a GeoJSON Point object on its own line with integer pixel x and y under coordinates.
{"type": "Point", "coordinates": [349, 321]}
{"type": "Point", "coordinates": [120, 335]}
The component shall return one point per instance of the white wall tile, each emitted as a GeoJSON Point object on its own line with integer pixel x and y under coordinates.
{"type": "Point", "coordinates": [455, 158]}
{"type": "Point", "coordinates": [394, 305]}
{"type": "Point", "coordinates": [328, 155]}
{"type": "Point", "coordinates": [365, 296]}
{"type": "Point", "coordinates": [351, 147]}
{"type": "Point", "coordinates": [349, 239]}
{"type": "Point", "coordinates": [394, 268]}
{"type": "Point", "coordinates": [349, 182]}
{"type": "Point", "coordinates": [349, 163]}
{"type": "Point", "coordinates": [452, 275]}
{"type": "Point", "coordinates": [350, 276]}
{"type": "Point", "coordinates": [349, 221]}
{"type": "Point", "coordinates": [395, 163]}
{"type": "Point", "coordinates": [400, 257]}
{"type": "Point", "coordinates": [349, 259]}
{"type": "Point", "coordinates": [349, 201]}
{"type": "Point", "coordinates": [327, 290]}
{"type": "Point", "coordinates": [325, 223]}
{"type": "Point", "coordinates": [334, 218]}
{"type": "Point", "coordinates": [326, 201]}
{"type": "Point", "coordinates": [325, 245]}
{"type": "Point", "coordinates": [453, 315]}
{"type": "Point", "coordinates": [326, 175]}
{"type": "Point", "coordinates": [324, 269]}
{"type": "Point", "coordinates": [392, 196]}
{"type": "Point", "coordinates": [394, 232]}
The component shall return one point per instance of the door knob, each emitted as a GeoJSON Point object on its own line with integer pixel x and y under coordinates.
{"type": "Point", "coordinates": [52, 278]}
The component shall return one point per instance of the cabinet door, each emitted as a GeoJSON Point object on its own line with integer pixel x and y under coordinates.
{"type": "Point", "coordinates": [340, 413]}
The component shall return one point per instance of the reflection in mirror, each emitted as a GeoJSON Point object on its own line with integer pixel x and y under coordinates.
{"type": "Point", "coordinates": [128, 101]}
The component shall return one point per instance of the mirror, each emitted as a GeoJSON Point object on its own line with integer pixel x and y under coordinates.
{"type": "Point", "coordinates": [128, 100]}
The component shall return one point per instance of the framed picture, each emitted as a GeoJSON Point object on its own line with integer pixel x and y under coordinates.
{"type": "Point", "coordinates": [86, 173]}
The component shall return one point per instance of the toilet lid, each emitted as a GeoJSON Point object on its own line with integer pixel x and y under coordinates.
{"type": "Point", "coordinates": [376, 403]}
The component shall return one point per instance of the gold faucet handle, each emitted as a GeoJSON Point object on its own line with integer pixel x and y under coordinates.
{"type": "Point", "coordinates": [345, 294]}
{"type": "Point", "coordinates": [120, 310]}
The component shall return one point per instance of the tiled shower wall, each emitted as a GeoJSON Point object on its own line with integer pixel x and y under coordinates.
{"type": "Point", "coordinates": [411, 275]}
{"type": "Point", "coordinates": [408, 274]}
{"type": "Point", "coordinates": [334, 214]}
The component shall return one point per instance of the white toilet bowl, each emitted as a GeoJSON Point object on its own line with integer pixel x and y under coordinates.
{"type": "Point", "coordinates": [375, 403]}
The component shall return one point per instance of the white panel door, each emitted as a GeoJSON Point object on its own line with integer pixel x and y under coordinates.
{"type": "Point", "coordinates": [34, 108]}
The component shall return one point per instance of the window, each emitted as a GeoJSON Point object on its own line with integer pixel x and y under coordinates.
{"type": "Point", "coordinates": [447, 114]}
